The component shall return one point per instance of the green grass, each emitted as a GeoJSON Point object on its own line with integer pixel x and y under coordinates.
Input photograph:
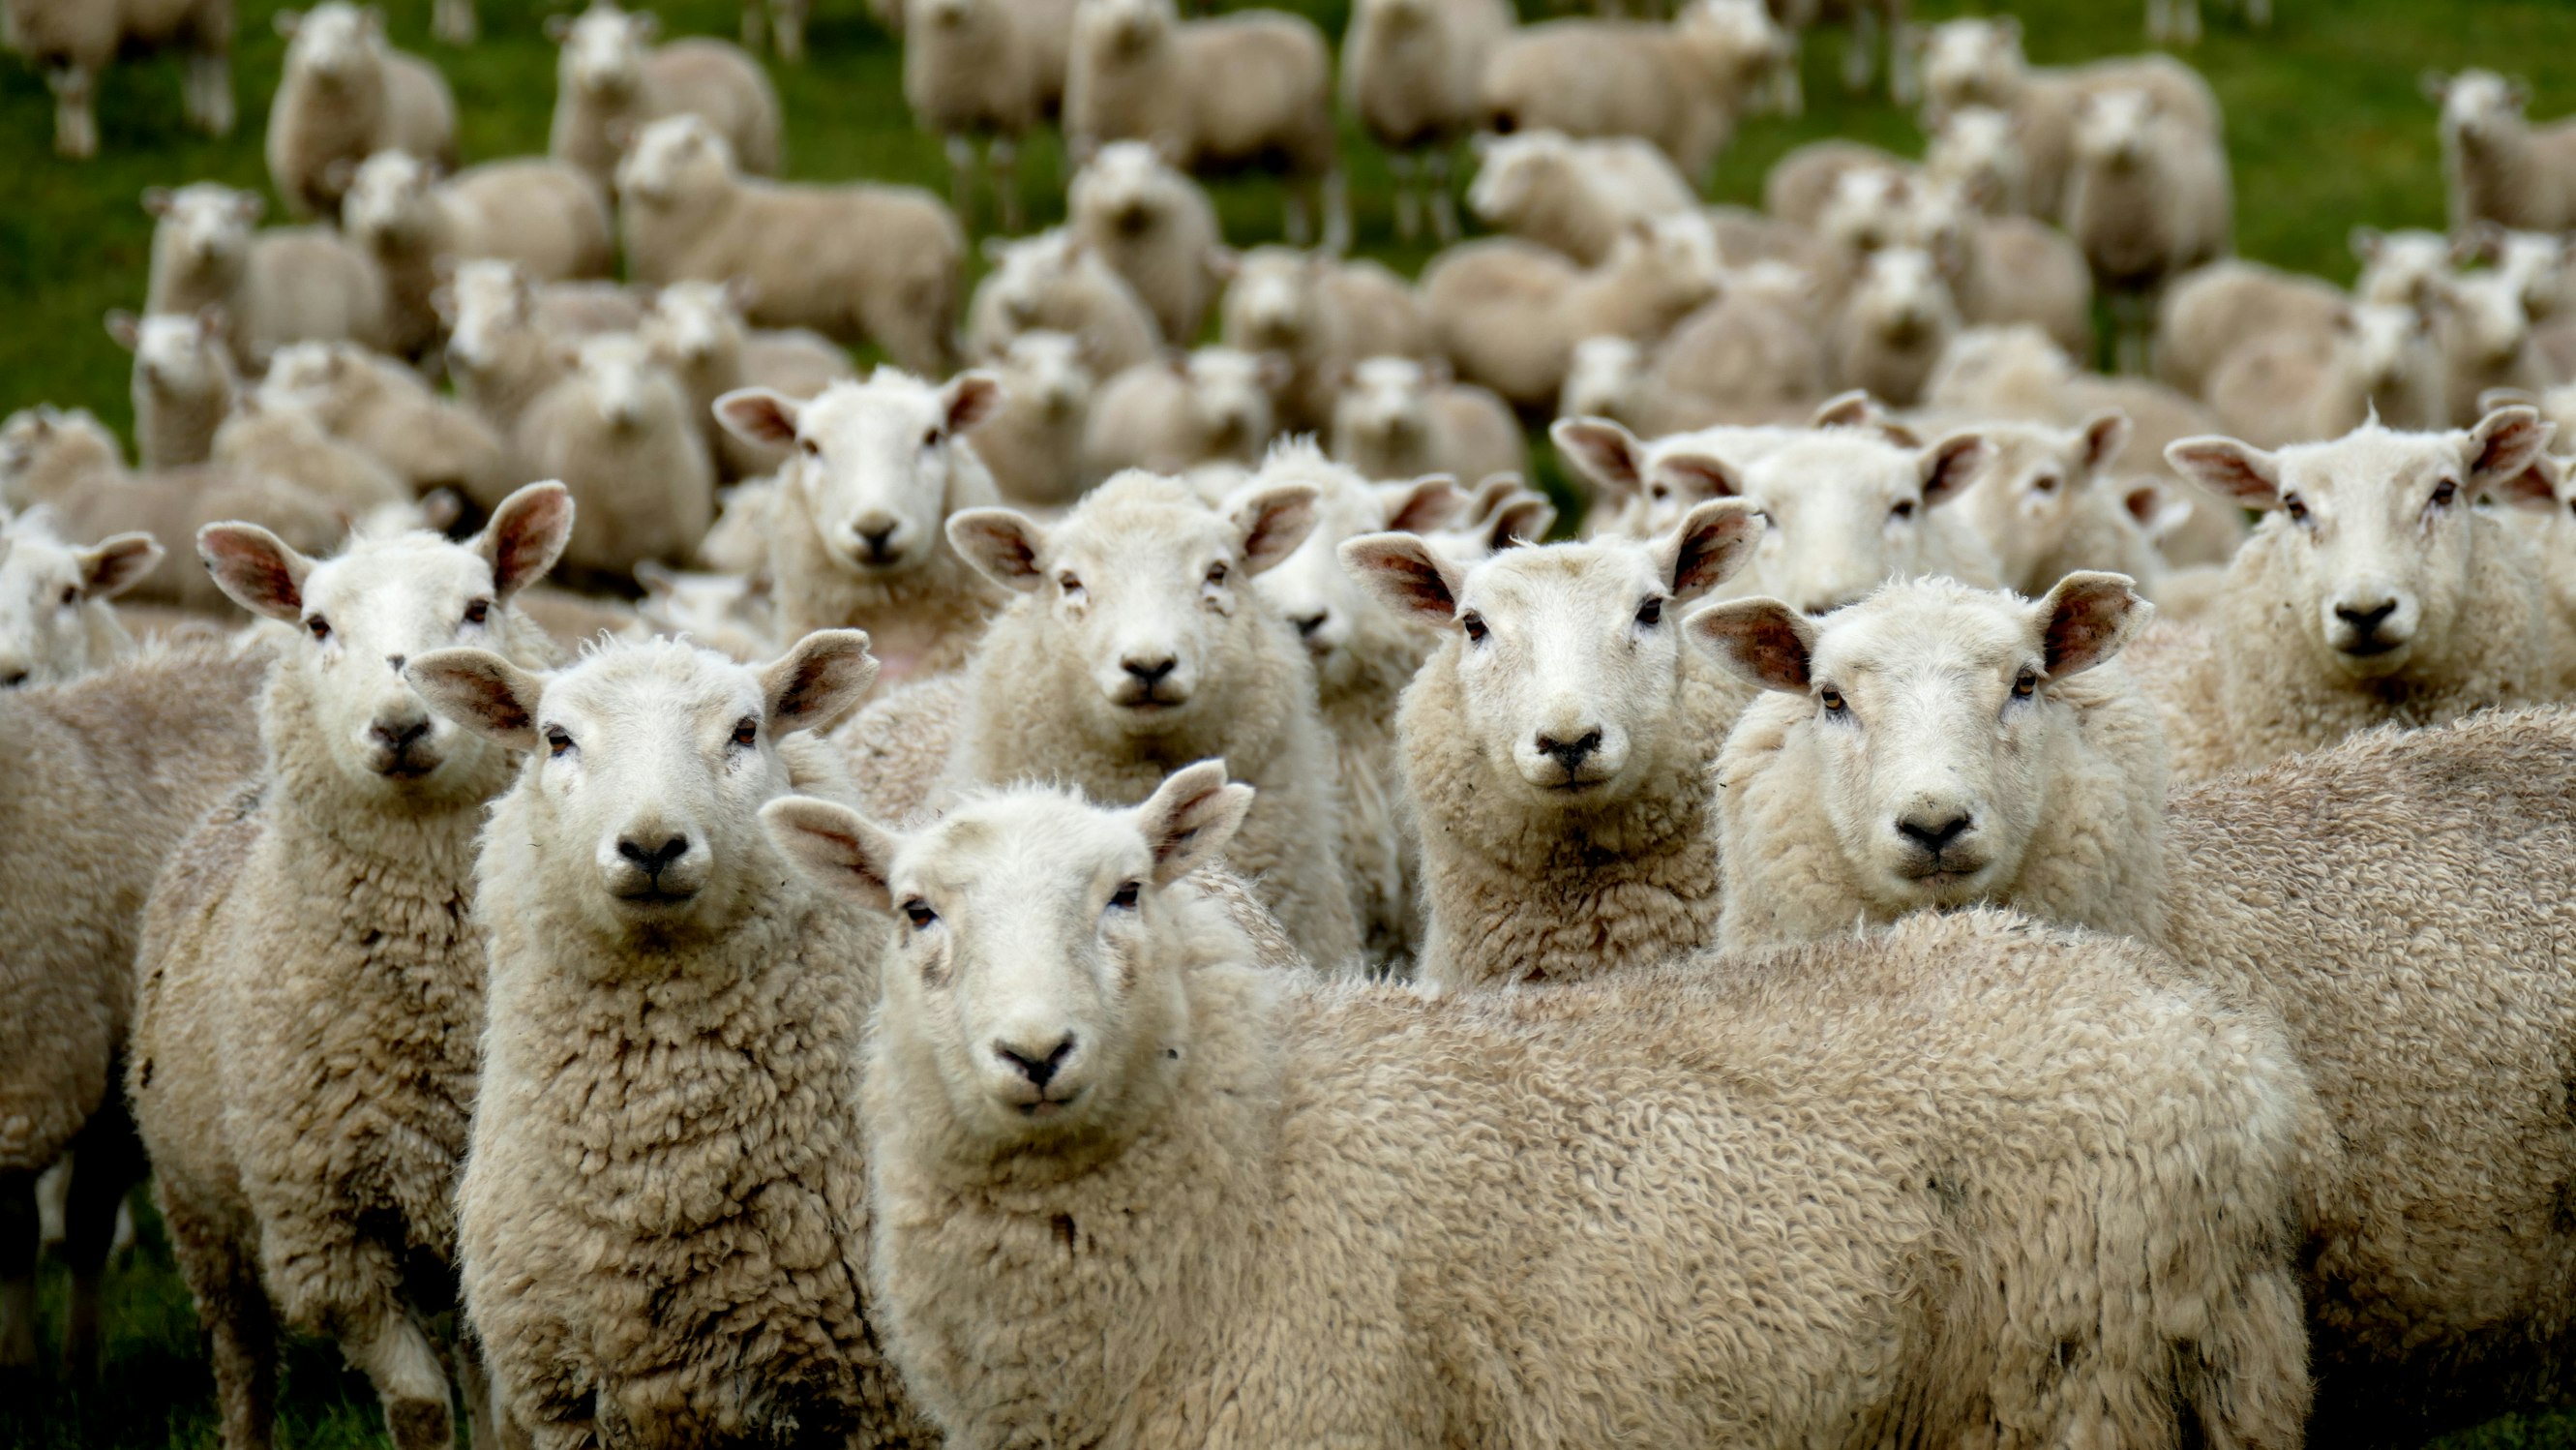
{"type": "Point", "coordinates": [2326, 130]}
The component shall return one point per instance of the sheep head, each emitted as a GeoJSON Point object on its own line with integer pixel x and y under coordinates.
{"type": "Point", "coordinates": [880, 464]}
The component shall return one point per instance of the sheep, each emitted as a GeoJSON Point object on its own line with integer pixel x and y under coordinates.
{"type": "Point", "coordinates": [632, 837]}
{"type": "Point", "coordinates": [2212, 313]}
{"type": "Point", "coordinates": [1508, 314]}
{"type": "Point", "coordinates": [1797, 187]}
{"type": "Point", "coordinates": [1899, 319]}
{"type": "Point", "coordinates": [286, 284]}
{"type": "Point", "coordinates": [502, 330]}
{"type": "Point", "coordinates": [285, 443]}
{"type": "Point", "coordinates": [851, 262]}
{"type": "Point", "coordinates": [2147, 198]}
{"type": "Point", "coordinates": [857, 532]}
{"type": "Point", "coordinates": [2370, 362]}
{"type": "Point", "coordinates": [548, 218]}
{"type": "Point", "coordinates": [183, 385]}
{"type": "Point", "coordinates": [57, 619]}
{"type": "Point", "coordinates": [2536, 262]}
{"type": "Point", "coordinates": [727, 613]}
{"type": "Point", "coordinates": [1575, 196]}
{"type": "Point", "coordinates": [1553, 744]}
{"type": "Point", "coordinates": [2372, 593]}
{"type": "Point", "coordinates": [2486, 341]}
{"type": "Point", "coordinates": [2398, 268]}
{"type": "Point", "coordinates": [621, 434]}
{"type": "Point", "coordinates": [1754, 355]}
{"type": "Point", "coordinates": [384, 408]}
{"type": "Point", "coordinates": [1033, 442]}
{"type": "Point", "coordinates": [697, 330]}
{"type": "Point", "coordinates": [1978, 151]}
{"type": "Point", "coordinates": [1399, 418]}
{"type": "Point", "coordinates": [345, 96]}
{"type": "Point", "coordinates": [1869, 208]}
{"type": "Point", "coordinates": [1243, 87]}
{"type": "Point", "coordinates": [988, 68]}
{"type": "Point", "coordinates": [1314, 1152]}
{"type": "Point", "coordinates": [1678, 85]}
{"type": "Point", "coordinates": [1137, 641]}
{"type": "Point", "coordinates": [611, 77]}
{"type": "Point", "coordinates": [310, 978]}
{"type": "Point", "coordinates": [2497, 165]}
{"type": "Point", "coordinates": [2177, 22]}
{"type": "Point", "coordinates": [2430, 1017]}
{"type": "Point", "coordinates": [1636, 496]}
{"type": "Point", "coordinates": [1979, 62]}
{"type": "Point", "coordinates": [1154, 227]}
{"type": "Point", "coordinates": [1501, 514]}
{"type": "Point", "coordinates": [1057, 281]}
{"type": "Point", "coordinates": [1610, 377]}
{"type": "Point", "coordinates": [1172, 415]}
{"type": "Point", "coordinates": [108, 774]}
{"type": "Point", "coordinates": [1324, 314]}
{"type": "Point", "coordinates": [2044, 506]}
{"type": "Point", "coordinates": [2007, 270]}
{"type": "Point", "coordinates": [1413, 73]}
{"type": "Point", "coordinates": [74, 41]}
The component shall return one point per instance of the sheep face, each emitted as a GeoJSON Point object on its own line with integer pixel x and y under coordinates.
{"type": "Point", "coordinates": [1125, 189]}
{"type": "Point", "coordinates": [1746, 41]}
{"type": "Point", "coordinates": [336, 43]}
{"type": "Point", "coordinates": [1044, 371]}
{"type": "Point", "coordinates": [55, 620]}
{"type": "Point", "coordinates": [1027, 270]}
{"type": "Point", "coordinates": [603, 52]}
{"type": "Point", "coordinates": [38, 441]}
{"type": "Point", "coordinates": [877, 463]}
{"type": "Point", "coordinates": [1033, 981]}
{"type": "Point", "coordinates": [2488, 326]}
{"type": "Point", "coordinates": [1846, 509]}
{"type": "Point", "coordinates": [694, 324]}
{"type": "Point", "coordinates": [1871, 207]}
{"type": "Point", "coordinates": [1512, 169]}
{"type": "Point", "coordinates": [1385, 407]}
{"type": "Point", "coordinates": [207, 224]}
{"type": "Point", "coordinates": [1311, 589]}
{"type": "Point", "coordinates": [360, 617]}
{"type": "Point", "coordinates": [2116, 129]}
{"type": "Point", "coordinates": [182, 356]}
{"type": "Point", "coordinates": [2374, 530]}
{"type": "Point", "coordinates": [1973, 62]}
{"type": "Point", "coordinates": [1126, 28]}
{"type": "Point", "coordinates": [1935, 727]}
{"type": "Point", "coordinates": [2033, 485]}
{"type": "Point", "coordinates": [2398, 268]}
{"type": "Point", "coordinates": [675, 157]}
{"type": "Point", "coordinates": [2535, 264]}
{"type": "Point", "coordinates": [305, 371]}
{"type": "Point", "coordinates": [630, 389]}
{"type": "Point", "coordinates": [1149, 590]}
{"type": "Point", "coordinates": [484, 303]}
{"type": "Point", "coordinates": [2392, 354]}
{"type": "Point", "coordinates": [2481, 106]}
{"type": "Point", "coordinates": [1902, 301]}
{"type": "Point", "coordinates": [1272, 303]}
{"type": "Point", "coordinates": [1978, 154]}
{"type": "Point", "coordinates": [388, 200]}
{"type": "Point", "coordinates": [1230, 392]}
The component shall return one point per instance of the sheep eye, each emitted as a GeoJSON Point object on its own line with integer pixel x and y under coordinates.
{"type": "Point", "coordinates": [1068, 583]}
{"type": "Point", "coordinates": [918, 912]}
{"type": "Point", "coordinates": [2445, 491]}
{"type": "Point", "coordinates": [809, 447]}
{"type": "Point", "coordinates": [1904, 509]}
{"type": "Point", "coordinates": [2026, 683]}
{"type": "Point", "coordinates": [321, 627]}
{"type": "Point", "coordinates": [478, 611]}
{"type": "Point", "coordinates": [930, 439]}
{"type": "Point", "coordinates": [1651, 613]}
{"type": "Point", "coordinates": [1474, 624]}
{"type": "Point", "coordinates": [1832, 699]}
{"type": "Point", "coordinates": [746, 732]}
{"type": "Point", "coordinates": [1124, 898]}
{"type": "Point", "coordinates": [1659, 493]}
{"type": "Point", "coordinates": [2295, 509]}
{"type": "Point", "coordinates": [2045, 483]}
{"type": "Point", "coordinates": [1216, 573]}
{"type": "Point", "coordinates": [558, 741]}
{"type": "Point", "coordinates": [71, 595]}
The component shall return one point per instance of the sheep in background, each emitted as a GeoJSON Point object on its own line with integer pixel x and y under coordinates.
{"type": "Point", "coordinates": [1609, 377]}
{"type": "Point", "coordinates": [1899, 319]}
{"type": "Point", "coordinates": [1575, 196]}
{"type": "Point", "coordinates": [985, 68]}
{"type": "Point", "coordinates": [2007, 270]}
{"type": "Point", "coordinates": [1033, 442]}
{"type": "Point", "coordinates": [2209, 314]}
{"type": "Point", "coordinates": [1173, 414]}
{"type": "Point", "coordinates": [851, 262]}
{"type": "Point", "coordinates": [57, 615]}
{"type": "Point", "coordinates": [1508, 314]}
{"type": "Point", "coordinates": [384, 408]}
{"type": "Point", "coordinates": [1413, 73]}
{"type": "Point", "coordinates": [2498, 166]}
{"type": "Point", "coordinates": [2369, 362]}
{"type": "Point", "coordinates": [698, 331]}
{"type": "Point", "coordinates": [611, 75]}
{"type": "Point", "coordinates": [183, 382]}
{"type": "Point", "coordinates": [2486, 342]}
{"type": "Point", "coordinates": [1324, 315]}
{"type": "Point", "coordinates": [1798, 185]}
{"type": "Point", "coordinates": [1399, 418]}
{"type": "Point", "coordinates": [1056, 281]}
{"type": "Point", "coordinates": [1978, 150]}
{"type": "Point", "coordinates": [503, 331]}
{"type": "Point", "coordinates": [73, 42]}
{"type": "Point", "coordinates": [283, 285]}
{"type": "Point", "coordinates": [285, 442]}
{"type": "Point", "coordinates": [544, 216]}
{"type": "Point", "coordinates": [345, 96]}
{"type": "Point", "coordinates": [1757, 354]}
{"type": "Point", "coordinates": [1678, 85]}
{"type": "Point", "coordinates": [727, 613]}
{"type": "Point", "coordinates": [620, 432]}
{"type": "Point", "coordinates": [1636, 495]}
{"type": "Point", "coordinates": [2147, 198]}
{"type": "Point", "coordinates": [2046, 506]}
{"type": "Point", "coordinates": [1979, 62]}
{"type": "Point", "coordinates": [1156, 228]}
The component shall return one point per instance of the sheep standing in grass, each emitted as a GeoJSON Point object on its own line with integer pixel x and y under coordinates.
{"type": "Point", "coordinates": [698, 331]}
{"type": "Point", "coordinates": [1033, 442]}
{"type": "Point", "coordinates": [1508, 313]}
{"type": "Point", "coordinates": [2501, 168]}
{"type": "Point", "coordinates": [857, 533]}
{"type": "Point", "coordinates": [851, 262]}
{"type": "Point", "coordinates": [286, 284]}
{"type": "Point", "coordinates": [621, 434]}
{"type": "Point", "coordinates": [1057, 281]}
{"type": "Point", "coordinates": [1174, 414]}
{"type": "Point", "coordinates": [57, 622]}
{"type": "Point", "coordinates": [1138, 644]}
{"type": "Point", "coordinates": [610, 74]}
{"type": "Point", "coordinates": [2367, 362]}
{"type": "Point", "coordinates": [543, 215]}
{"type": "Point", "coordinates": [1576, 196]}
{"type": "Point", "coordinates": [1398, 418]}
{"type": "Point", "coordinates": [503, 333]}
{"type": "Point", "coordinates": [183, 384]}
{"type": "Point", "coordinates": [985, 68]}
{"type": "Point", "coordinates": [1413, 73]}
{"type": "Point", "coordinates": [74, 42]}
{"type": "Point", "coordinates": [2372, 593]}
{"type": "Point", "coordinates": [1555, 747]}
{"type": "Point", "coordinates": [638, 914]}
{"type": "Point", "coordinates": [2431, 1018]}
{"type": "Point", "coordinates": [2147, 198]}
{"type": "Point", "coordinates": [310, 996]}
{"type": "Point", "coordinates": [1324, 315]}
{"type": "Point", "coordinates": [345, 96]}
{"type": "Point", "coordinates": [1304, 1208]}
{"type": "Point", "coordinates": [1679, 85]}
{"type": "Point", "coordinates": [1154, 227]}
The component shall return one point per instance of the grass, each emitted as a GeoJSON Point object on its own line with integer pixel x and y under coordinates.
{"type": "Point", "coordinates": [2326, 131]}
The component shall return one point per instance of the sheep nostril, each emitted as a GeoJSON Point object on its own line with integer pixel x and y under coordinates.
{"type": "Point", "coordinates": [1309, 623]}
{"type": "Point", "coordinates": [1039, 1068]}
{"type": "Point", "coordinates": [656, 859]}
{"type": "Point", "coordinates": [1935, 835]}
{"type": "Point", "coordinates": [1570, 753]}
{"type": "Point", "coordinates": [13, 679]}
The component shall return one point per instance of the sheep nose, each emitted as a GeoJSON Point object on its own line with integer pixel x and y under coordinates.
{"type": "Point", "coordinates": [396, 661]}
{"type": "Point", "coordinates": [1569, 753]}
{"type": "Point", "coordinates": [2366, 621]}
{"type": "Point", "coordinates": [397, 736]}
{"type": "Point", "coordinates": [1039, 1066]}
{"type": "Point", "coordinates": [877, 540]}
{"type": "Point", "coordinates": [1307, 624]}
{"type": "Point", "coordinates": [1148, 670]}
{"type": "Point", "coordinates": [655, 859]}
{"type": "Point", "coordinates": [1934, 832]}
{"type": "Point", "coordinates": [13, 674]}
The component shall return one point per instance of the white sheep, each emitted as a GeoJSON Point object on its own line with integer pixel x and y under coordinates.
{"type": "Point", "coordinates": [2368, 362]}
{"type": "Point", "coordinates": [611, 78]}
{"type": "Point", "coordinates": [1610, 377]}
{"type": "Point", "coordinates": [1895, 325]}
{"type": "Point", "coordinates": [621, 434]}
{"type": "Point", "coordinates": [857, 531]}
{"type": "Point", "coordinates": [1508, 314]}
{"type": "Point", "coordinates": [74, 42]}
{"type": "Point", "coordinates": [991, 69]}
{"type": "Point", "coordinates": [310, 979]}
{"type": "Point", "coordinates": [545, 216]}
{"type": "Point", "coordinates": [1979, 62]}
{"type": "Point", "coordinates": [1636, 494]}
{"type": "Point", "coordinates": [1756, 354]}
{"type": "Point", "coordinates": [1413, 73]}
{"type": "Point", "coordinates": [636, 910]}
{"type": "Point", "coordinates": [1138, 642]}
{"type": "Point", "coordinates": [345, 96]}
{"type": "Point", "coordinates": [1246, 86]}
{"type": "Point", "coordinates": [1977, 150]}
{"type": "Point", "coordinates": [2148, 199]}
{"type": "Point", "coordinates": [502, 331]}
{"type": "Point", "coordinates": [2008, 269]}
{"type": "Point", "coordinates": [286, 284]}
{"type": "Point", "coordinates": [1577, 196]}
{"type": "Point", "coordinates": [1679, 85]}
{"type": "Point", "coordinates": [386, 409]}
{"type": "Point", "coordinates": [1057, 281]}
{"type": "Point", "coordinates": [2486, 341]}
{"type": "Point", "coordinates": [1174, 414]}
{"type": "Point", "coordinates": [1798, 185]}
{"type": "Point", "coordinates": [183, 383]}
{"type": "Point", "coordinates": [2398, 268]}
{"type": "Point", "coordinates": [2213, 312]}
{"type": "Point", "coordinates": [1398, 418]}
{"type": "Point", "coordinates": [1554, 748]}
{"type": "Point", "coordinates": [2498, 166]}
{"type": "Point", "coordinates": [287, 443]}
{"type": "Point", "coordinates": [1033, 443]}
{"type": "Point", "coordinates": [57, 618]}
{"type": "Point", "coordinates": [1156, 228]}
{"type": "Point", "coordinates": [1370, 1188]}
{"type": "Point", "coordinates": [699, 332]}
{"type": "Point", "coordinates": [1324, 315]}
{"type": "Point", "coordinates": [851, 262]}
{"type": "Point", "coordinates": [2047, 506]}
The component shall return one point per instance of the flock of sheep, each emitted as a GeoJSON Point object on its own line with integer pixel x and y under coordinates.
{"type": "Point", "coordinates": [1112, 896]}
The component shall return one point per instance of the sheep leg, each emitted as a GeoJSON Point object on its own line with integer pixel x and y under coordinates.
{"type": "Point", "coordinates": [51, 1187]}
{"type": "Point", "coordinates": [75, 117]}
{"type": "Point", "coordinates": [1903, 86]}
{"type": "Point", "coordinates": [210, 92]}
{"type": "Point", "coordinates": [18, 1236]}
{"type": "Point", "coordinates": [787, 23]}
{"type": "Point", "coordinates": [1296, 223]}
{"type": "Point", "coordinates": [1444, 206]}
{"type": "Point", "coordinates": [107, 1161]}
{"type": "Point", "coordinates": [961, 179]}
{"type": "Point", "coordinates": [399, 1360]}
{"type": "Point", "coordinates": [1003, 157]}
{"type": "Point", "coordinates": [1408, 208]}
{"type": "Point", "coordinates": [455, 23]}
{"type": "Point", "coordinates": [753, 14]}
{"type": "Point", "coordinates": [1859, 49]}
{"type": "Point", "coordinates": [1336, 201]}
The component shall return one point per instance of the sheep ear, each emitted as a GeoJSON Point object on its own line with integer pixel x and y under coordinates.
{"type": "Point", "coordinates": [2504, 443]}
{"type": "Point", "coordinates": [970, 398]}
{"type": "Point", "coordinates": [1710, 544]}
{"type": "Point", "coordinates": [126, 328]}
{"type": "Point", "coordinates": [822, 679]}
{"type": "Point", "coordinates": [1429, 502]}
{"type": "Point", "coordinates": [158, 200]}
{"type": "Point", "coordinates": [1602, 451]}
{"type": "Point", "coordinates": [288, 22]}
{"type": "Point", "coordinates": [558, 28]}
{"type": "Point", "coordinates": [2230, 469]}
{"type": "Point", "coordinates": [116, 563]}
{"type": "Point", "coordinates": [480, 691]}
{"type": "Point", "coordinates": [1854, 409]}
{"type": "Point", "coordinates": [2086, 619]}
{"type": "Point", "coordinates": [1273, 522]}
{"type": "Point", "coordinates": [1950, 465]}
{"type": "Point", "coordinates": [1700, 474]}
{"type": "Point", "coordinates": [1763, 641]}
{"type": "Point", "coordinates": [759, 415]}
{"type": "Point", "coordinates": [255, 569]}
{"type": "Point", "coordinates": [2105, 434]}
{"type": "Point", "coordinates": [2435, 85]}
{"type": "Point", "coordinates": [1002, 544]}
{"type": "Point", "coordinates": [525, 536]}
{"type": "Point", "coordinates": [2536, 487]}
{"type": "Point", "coordinates": [1405, 574]}
{"type": "Point", "coordinates": [837, 848]}
{"type": "Point", "coordinates": [1523, 518]}
{"type": "Point", "coordinates": [1190, 819]}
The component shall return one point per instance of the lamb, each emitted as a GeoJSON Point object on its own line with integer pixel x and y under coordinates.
{"type": "Point", "coordinates": [1797, 187]}
{"type": "Point", "coordinates": [183, 385]}
{"type": "Point", "coordinates": [286, 284]}
{"type": "Point", "coordinates": [620, 433]}
{"type": "Point", "coordinates": [2210, 314]}
{"type": "Point", "coordinates": [1398, 418]}
{"type": "Point", "coordinates": [264, 440]}
{"type": "Point", "coordinates": [545, 216]}
{"type": "Point", "coordinates": [74, 41]}
{"type": "Point", "coordinates": [323, 916]}
{"type": "Point", "coordinates": [2369, 362]}
{"type": "Point", "coordinates": [611, 76]}
{"type": "Point", "coordinates": [345, 96]}
{"type": "Point", "coordinates": [2430, 1018]}
{"type": "Point", "coordinates": [386, 409]}
{"type": "Point", "coordinates": [502, 332]}
{"type": "Point", "coordinates": [57, 621]}
{"type": "Point", "coordinates": [698, 331]}
{"type": "Point", "coordinates": [2045, 507]}
{"type": "Point", "coordinates": [1678, 85]}
{"type": "Point", "coordinates": [1154, 227]}
{"type": "Point", "coordinates": [1899, 319]}
{"type": "Point", "coordinates": [1576, 196]}
{"type": "Point", "coordinates": [2398, 268]}
{"type": "Point", "coordinates": [857, 532]}
{"type": "Point", "coordinates": [2486, 341]}
{"type": "Point", "coordinates": [1508, 313]}
{"type": "Point", "coordinates": [632, 836]}
{"type": "Point", "coordinates": [1057, 281]}
{"type": "Point", "coordinates": [1324, 315]}
{"type": "Point", "coordinates": [988, 68]}
{"type": "Point", "coordinates": [1554, 746]}
{"type": "Point", "coordinates": [2147, 198]}
{"type": "Point", "coordinates": [2499, 167]}
{"type": "Point", "coordinates": [1172, 415]}
{"type": "Point", "coordinates": [1033, 442]}
{"type": "Point", "coordinates": [106, 775]}
{"type": "Point", "coordinates": [2372, 593]}
{"type": "Point", "coordinates": [851, 262]}
{"type": "Point", "coordinates": [1242, 87]}
{"type": "Point", "coordinates": [1137, 642]}
{"type": "Point", "coordinates": [1413, 73]}
{"type": "Point", "coordinates": [1977, 150]}
{"type": "Point", "coordinates": [1311, 1148]}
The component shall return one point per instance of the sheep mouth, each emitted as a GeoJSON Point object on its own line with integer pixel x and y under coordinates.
{"type": "Point", "coordinates": [1041, 1108]}
{"type": "Point", "coordinates": [655, 896]}
{"type": "Point", "coordinates": [1943, 873]}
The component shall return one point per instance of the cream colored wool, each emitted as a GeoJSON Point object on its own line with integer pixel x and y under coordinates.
{"type": "Point", "coordinates": [1276, 1211]}
{"type": "Point", "coordinates": [1157, 572]}
{"type": "Point", "coordinates": [1398, 418]}
{"type": "Point", "coordinates": [1679, 85]}
{"type": "Point", "coordinates": [1156, 228]}
{"type": "Point", "coordinates": [2216, 310]}
{"type": "Point", "coordinates": [1980, 62]}
{"type": "Point", "coordinates": [1058, 281]}
{"type": "Point", "coordinates": [282, 285]}
{"type": "Point", "coordinates": [311, 976]}
{"type": "Point", "coordinates": [548, 218]}
{"type": "Point", "coordinates": [988, 70]}
{"type": "Point", "coordinates": [1033, 443]}
{"type": "Point", "coordinates": [384, 407]}
{"type": "Point", "coordinates": [1574, 196]}
{"type": "Point", "coordinates": [2498, 165]}
{"type": "Point", "coordinates": [1508, 313]}
{"type": "Point", "coordinates": [2043, 504]}
{"type": "Point", "coordinates": [621, 434]}
{"type": "Point", "coordinates": [1326, 315]}
{"type": "Point", "coordinates": [611, 75]}
{"type": "Point", "coordinates": [286, 443]}
{"type": "Point", "coordinates": [344, 96]}
{"type": "Point", "coordinates": [698, 331]}
{"type": "Point", "coordinates": [183, 382]}
{"type": "Point", "coordinates": [1754, 355]}
{"type": "Point", "coordinates": [1413, 73]}
{"type": "Point", "coordinates": [2148, 198]}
